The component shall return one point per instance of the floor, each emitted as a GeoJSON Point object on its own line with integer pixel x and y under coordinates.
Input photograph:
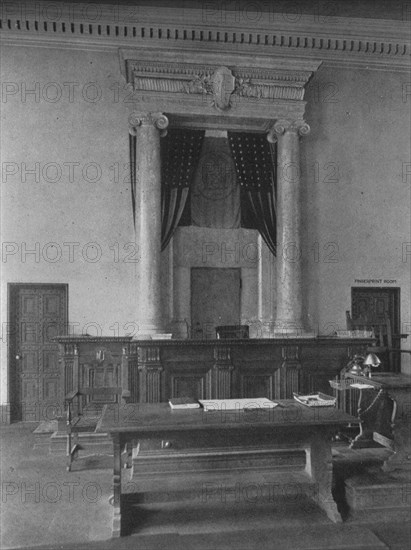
{"type": "Point", "coordinates": [44, 506]}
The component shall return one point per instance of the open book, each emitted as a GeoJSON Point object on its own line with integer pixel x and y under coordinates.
{"type": "Point", "coordinates": [183, 403]}
{"type": "Point", "coordinates": [248, 403]}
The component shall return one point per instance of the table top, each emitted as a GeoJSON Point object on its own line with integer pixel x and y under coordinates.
{"type": "Point", "coordinates": [141, 417]}
{"type": "Point", "coordinates": [387, 380]}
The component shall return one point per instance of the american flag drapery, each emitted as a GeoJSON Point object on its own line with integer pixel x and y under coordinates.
{"type": "Point", "coordinates": [255, 162]}
{"type": "Point", "coordinates": [180, 151]}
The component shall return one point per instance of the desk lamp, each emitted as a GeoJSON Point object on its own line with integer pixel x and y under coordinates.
{"type": "Point", "coordinates": [370, 362]}
{"type": "Point", "coordinates": [355, 365]}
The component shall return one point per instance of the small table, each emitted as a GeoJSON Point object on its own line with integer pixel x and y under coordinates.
{"type": "Point", "coordinates": [202, 437]}
{"type": "Point", "coordinates": [384, 412]}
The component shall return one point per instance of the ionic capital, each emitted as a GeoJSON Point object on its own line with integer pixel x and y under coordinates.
{"type": "Point", "coordinates": [158, 120]}
{"type": "Point", "coordinates": [281, 126]}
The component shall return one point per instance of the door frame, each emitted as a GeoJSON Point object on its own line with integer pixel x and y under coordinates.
{"type": "Point", "coordinates": [12, 290]}
{"type": "Point", "coordinates": [396, 321]}
{"type": "Point", "coordinates": [395, 293]}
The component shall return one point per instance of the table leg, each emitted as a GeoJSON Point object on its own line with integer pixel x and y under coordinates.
{"type": "Point", "coordinates": [319, 468]}
{"type": "Point", "coordinates": [400, 420]}
{"type": "Point", "coordinates": [365, 438]}
{"type": "Point", "coordinates": [116, 532]}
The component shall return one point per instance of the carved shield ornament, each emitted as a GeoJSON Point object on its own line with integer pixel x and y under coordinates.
{"type": "Point", "coordinates": [223, 87]}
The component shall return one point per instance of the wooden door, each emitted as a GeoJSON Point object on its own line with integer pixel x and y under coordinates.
{"type": "Point", "coordinates": [37, 313]}
{"type": "Point", "coordinates": [215, 299]}
{"type": "Point", "coordinates": [373, 304]}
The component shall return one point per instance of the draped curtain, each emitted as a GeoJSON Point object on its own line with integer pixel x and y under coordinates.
{"type": "Point", "coordinates": [255, 162]}
{"type": "Point", "coordinates": [180, 152]}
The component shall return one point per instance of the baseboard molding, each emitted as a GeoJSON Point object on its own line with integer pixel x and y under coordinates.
{"type": "Point", "coordinates": [5, 417]}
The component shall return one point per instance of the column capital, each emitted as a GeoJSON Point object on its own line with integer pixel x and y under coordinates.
{"type": "Point", "coordinates": [158, 120]}
{"type": "Point", "coordinates": [281, 126]}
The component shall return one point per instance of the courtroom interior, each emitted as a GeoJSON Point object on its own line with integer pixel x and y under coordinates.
{"type": "Point", "coordinates": [206, 201]}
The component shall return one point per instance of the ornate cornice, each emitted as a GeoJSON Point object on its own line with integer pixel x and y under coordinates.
{"type": "Point", "coordinates": [223, 86]}
{"type": "Point", "coordinates": [337, 41]}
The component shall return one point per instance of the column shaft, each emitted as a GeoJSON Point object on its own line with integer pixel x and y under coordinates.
{"type": "Point", "coordinates": [148, 221]}
{"type": "Point", "coordinates": [289, 317]}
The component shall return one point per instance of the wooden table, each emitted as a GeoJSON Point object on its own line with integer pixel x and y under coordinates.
{"type": "Point", "coordinates": [178, 448]}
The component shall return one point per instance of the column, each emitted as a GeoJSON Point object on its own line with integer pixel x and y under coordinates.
{"type": "Point", "coordinates": [148, 127]}
{"type": "Point", "coordinates": [289, 319]}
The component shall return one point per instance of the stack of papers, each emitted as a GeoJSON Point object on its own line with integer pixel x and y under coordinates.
{"type": "Point", "coordinates": [249, 403]}
{"type": "Point", "coordinates": [184, 403]}
{"type": "Point", "coordinates": [361, 386]}
{"type": "Point", "coordinates": [316, 400]}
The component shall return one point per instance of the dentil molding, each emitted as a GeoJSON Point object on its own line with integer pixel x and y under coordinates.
{"type": "Point", "coordinates": [337, 41]}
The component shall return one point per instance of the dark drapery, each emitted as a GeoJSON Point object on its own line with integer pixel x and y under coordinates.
{"type": "Point", "coordinates": [180, 151]}
{"type": "Point", "coordinates": [132, 144]}
{"type": "Point", "coordinates": [255, 162]}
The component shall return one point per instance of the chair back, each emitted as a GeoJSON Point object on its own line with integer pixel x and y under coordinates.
{"type": "Point", "coordinates": [232, 331]}
{"type": "Point", "coordinates": [380, 327]}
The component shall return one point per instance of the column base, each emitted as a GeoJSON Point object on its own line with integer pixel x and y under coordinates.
{"type": "Point", "coordinates": [180, 329]}
{"type": "Point", "coordinates": [293, 334]}
{"type": "Point", "coordinates": [148, 331]}
{"type": "Point", "coordinates": [5, 410]}
{"type": "Point", "coordinates": [290, 329]}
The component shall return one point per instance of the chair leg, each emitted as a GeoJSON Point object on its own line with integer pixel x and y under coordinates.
{"type": "Point", "coordinates": [72, 448]}
{"type": "Point", "coordinates": [68, 450]}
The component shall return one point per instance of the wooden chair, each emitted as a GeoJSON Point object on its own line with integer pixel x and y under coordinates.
{"type": "Point", "coordinates": [232, 331]}
{"type": "Point", "coordinates": [84, 414]}
{"type": "Point", "coordinates": [383, 334]}
{"type": "Point", "coordinates": [384, 339]}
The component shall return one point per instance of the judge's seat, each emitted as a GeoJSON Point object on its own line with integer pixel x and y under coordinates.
{"type": "Point", "coordinates": [232, 331]}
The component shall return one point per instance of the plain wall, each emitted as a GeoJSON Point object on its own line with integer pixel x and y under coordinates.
{"type": "Point", "coordinates": [356, 219]}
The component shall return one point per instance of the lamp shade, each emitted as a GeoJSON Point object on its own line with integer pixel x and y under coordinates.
{"type": "Point", "coordinates": [372, 360]}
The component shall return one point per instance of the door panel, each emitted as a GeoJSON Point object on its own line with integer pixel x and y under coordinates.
{"type": "Point", "coordinates": [215, 299]}
{"type": "Point", "coordinates": [37, 313]}
{"type": "Point", "coordinates": [372, 304]}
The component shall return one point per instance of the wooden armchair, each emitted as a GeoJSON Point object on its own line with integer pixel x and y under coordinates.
{"type": "Point", "coordinates": [384, 339]}
{"type": "Point", "coordinates": [84, 414]}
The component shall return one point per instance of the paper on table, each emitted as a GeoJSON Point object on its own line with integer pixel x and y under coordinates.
{"type": "Point", "coordinates": [237, 404]}
{"type": "Point", "coordinates": [360, 386]}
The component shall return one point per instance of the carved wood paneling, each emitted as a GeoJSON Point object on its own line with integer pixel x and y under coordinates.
{"type": "Point", "coordinates": [257, 385]}
{"type": "Point", "coordinates": [287, 377]}
{"type": "Point", "coordinates": [318, 380]}
{"type": "Point", "coordinates": [150, 374]}
{"type": "Point", "coordinates": [220, 376]}
{"type": "Point", "coordinates": [220, 381]}
{"type": "Point", "coordinates": [150, 384]}
{"type": "Point", "coordinates": [68, 375]}
{"type": "Point", "coordinates": [214, 369]}
{"type": "Point", "coordinates": [188, 385]}
{"type": "Point", "coordinates": [133, 380]}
